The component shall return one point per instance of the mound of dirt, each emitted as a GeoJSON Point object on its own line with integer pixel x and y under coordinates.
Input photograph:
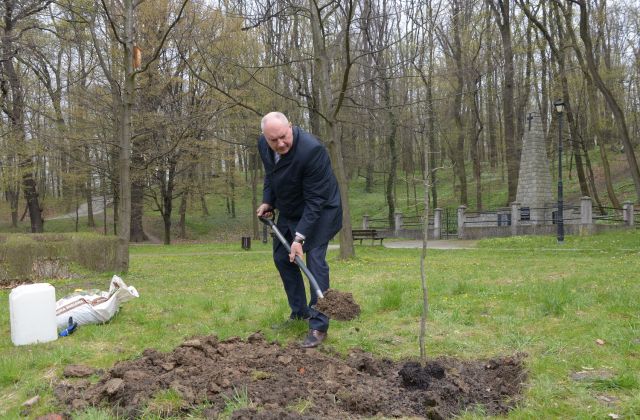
{"type": "Point", "coordinates": [338, 305]}
{"type": "Point", "coordinates": [293, 383]}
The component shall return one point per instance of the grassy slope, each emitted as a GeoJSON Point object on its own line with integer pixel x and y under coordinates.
{"type": "Point", "coordinates": [220, 227]}
{"type": "Point", "coordinates": [509, 295]}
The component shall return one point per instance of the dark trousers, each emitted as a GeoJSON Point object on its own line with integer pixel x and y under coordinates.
{"type": "Point", "coordinates": [294, 283]}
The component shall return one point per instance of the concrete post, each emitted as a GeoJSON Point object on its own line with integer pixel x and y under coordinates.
{"type": "Point", "coordinates": [586, 215]}
{"type": "Point", "coordinates": [437, 223]}
{"type": "Point", "coordinates": [365, 221]}
{"type": "Point", "coordinates": [398, 221]}
{"type": "Point", "coordinates": [461, 219]}
{"type": "Point", "coordinates": [515, 217]}
{"type": "Point", "coordinates": [627, 213]}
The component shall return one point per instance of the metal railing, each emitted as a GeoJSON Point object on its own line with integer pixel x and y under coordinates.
{"type": "Point", "coordinates": [379, 223]}
{"type": "Point", "coordinates": [501, 217]}
{"type": "Point", "coordinates": [415, 222]}
{"type": "Point", "coordinates": [612, 215]}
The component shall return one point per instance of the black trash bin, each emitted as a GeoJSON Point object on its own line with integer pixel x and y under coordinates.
{"type": "Point", "coordinates": [246, 242]}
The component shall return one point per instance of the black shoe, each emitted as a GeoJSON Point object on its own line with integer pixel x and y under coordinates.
{"type": "Point", "coordinates": [313, 339]}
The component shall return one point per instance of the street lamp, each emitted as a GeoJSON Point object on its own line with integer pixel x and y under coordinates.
{"type": "Point", "coordinates": [559, 105]}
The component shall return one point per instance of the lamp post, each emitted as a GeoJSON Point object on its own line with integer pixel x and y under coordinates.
{"type": "Point", "coordinates": [559, 105]}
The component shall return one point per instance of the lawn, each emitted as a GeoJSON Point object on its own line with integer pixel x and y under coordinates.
{"type": "Point", "coordinates": [572, 308]}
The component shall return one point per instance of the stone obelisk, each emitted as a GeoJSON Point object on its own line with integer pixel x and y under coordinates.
{"type": "Point", "coordinates": [534, 179]}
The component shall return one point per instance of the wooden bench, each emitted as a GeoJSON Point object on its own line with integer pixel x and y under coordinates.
{"type": "Point", "coordinates": [360, 234]}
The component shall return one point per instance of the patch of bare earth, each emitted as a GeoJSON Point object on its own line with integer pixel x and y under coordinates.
{"type": "Point", "coordinates": [294, 383]}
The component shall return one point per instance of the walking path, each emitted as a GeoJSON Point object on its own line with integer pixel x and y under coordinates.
{"type": "Point", "coordinates": [83, 209]}
{"type": "Point", "coordinates": [439, 244]}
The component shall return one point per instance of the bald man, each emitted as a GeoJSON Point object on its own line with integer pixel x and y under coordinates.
{"type": "Point", "coordinates": [299, 183]}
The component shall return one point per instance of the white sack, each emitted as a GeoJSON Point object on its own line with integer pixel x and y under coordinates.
{"type": "Point", "coordinates": [94, 308]}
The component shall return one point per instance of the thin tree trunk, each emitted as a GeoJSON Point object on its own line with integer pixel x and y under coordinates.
{"type": "Point", "coordinates": [475, 130]}
{"type": "Point", "coordinates": [457, 148]}
{"type": "Point", "coordinates": [253, 165]}
{"type": "Point", "coordinates": [182, 211]}
{"type": "Point", "coordinates": [88, 191]}
{"type": "Point", "coordinates": [393, 153]}
{"type": "Point", "coordinates": [491, 118]}
{"type": "Point", "coordinates": [13, 195]}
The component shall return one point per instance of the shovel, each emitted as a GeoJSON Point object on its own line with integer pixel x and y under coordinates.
{"type": "Point", "coordinates": [312, 280]}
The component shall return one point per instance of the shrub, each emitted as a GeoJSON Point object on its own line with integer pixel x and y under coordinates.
{"type": "Point", "coordinates": [95, 252]}
{"type": "Point", "coordinates": [31, 257]}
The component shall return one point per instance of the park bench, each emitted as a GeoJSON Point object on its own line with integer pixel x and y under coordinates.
{"type": "Point", "coordinates": [360, 234]}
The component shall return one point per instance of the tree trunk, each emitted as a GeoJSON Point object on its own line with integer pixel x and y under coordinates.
{"type": "Point", "coordinates": [512, 157]}
{"type": "Point", "coordinates": [573, 129]}
{"type": "Point", "coordinates": [15, 110]}
{"type": "Point", "coordinates": [182, 210]}
{"type": "Point", "coordinates": [253, 165]}
{"type": "Point", "coordinates": [203, 204]}
{"type": "Point", "coordinates": [137, 196]}
{"type": "Point", "coordinates": [491, 117]}
{"type": "Point", "coordinates": [330, 109]}
{"type": "Point", "coordinates": [393, 153]}
{"type": "Point", "coordinates": [88, 191]}
{"type": "Point", "coordinates": [475, 130]}
{"type": "Point", "coordinates": [124, 158]}
{"type": "Point", "coordinates": [166, 178]}
{"type": "Point", "coordinates": [457, 148]}
{"type": "Point", "coordinates": [13, 195]}
{"type": "Point", "coordinates": [611, 192]}
{"type": "Point", "coordinates": [137, 212]}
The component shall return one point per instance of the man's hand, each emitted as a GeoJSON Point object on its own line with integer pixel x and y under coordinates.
{"type": "Point", "coordinates": [296, 249]}
{"type": "Point", "coordinates": [264, 210]}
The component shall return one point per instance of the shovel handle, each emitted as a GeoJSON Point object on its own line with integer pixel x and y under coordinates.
{"type": "Point", "coordinates": [301, 264]}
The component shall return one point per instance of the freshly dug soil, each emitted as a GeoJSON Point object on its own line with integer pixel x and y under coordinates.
{"type": "Point", "coordinates": [294, 383]}
{"type": "Point", "coordinates": [338, 305]}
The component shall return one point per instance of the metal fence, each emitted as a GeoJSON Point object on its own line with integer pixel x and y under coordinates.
{"type": "Point", "coordinates": [415, 222]}
{"type": "Point", "coordinates": [499, 222]}
{"type": "Point", "coordinates": [380, 223]}
{"type": "Point", "coordinates": [612, 215]}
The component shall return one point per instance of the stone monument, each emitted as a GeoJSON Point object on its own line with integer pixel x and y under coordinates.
{"type": "Point", "coordinates": [534, 180]}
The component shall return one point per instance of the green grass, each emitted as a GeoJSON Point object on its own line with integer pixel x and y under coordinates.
{"type": "Point", "coordinates": [509, 295]}
{"type": "Point", "coordinates": [240, 399]}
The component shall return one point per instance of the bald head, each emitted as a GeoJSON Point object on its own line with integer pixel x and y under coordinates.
{"type": "Point", "coordinates": [277, 131]}
{"type": "Point", "coordinates": [271, 118]}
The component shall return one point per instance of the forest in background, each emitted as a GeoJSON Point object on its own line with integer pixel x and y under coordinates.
{"type": "Point", "coordinates": [149, 102]}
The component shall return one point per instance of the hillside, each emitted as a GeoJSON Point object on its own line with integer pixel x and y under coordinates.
{"type": "Point", "coordinates": [219, 226]}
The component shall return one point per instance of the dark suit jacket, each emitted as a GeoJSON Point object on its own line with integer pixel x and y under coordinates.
{"type": "Point", "coordinates": [303, 188]}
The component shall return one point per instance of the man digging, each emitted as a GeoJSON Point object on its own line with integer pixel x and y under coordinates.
{"type": "Point", "coordinates": [299, 183]}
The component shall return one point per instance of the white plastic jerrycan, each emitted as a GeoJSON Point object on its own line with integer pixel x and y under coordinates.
{"type": "Point", "coordinates": [32, 309]}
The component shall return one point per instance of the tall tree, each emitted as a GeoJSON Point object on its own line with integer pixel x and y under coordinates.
{"type": "Point", "coordinates": [122, 31]}
{"type": "Point", "coordinates": [502, 13]}
{"type": "Point", "coordinates": [330, 105]}
{"type": "Point", "coordinates": [16, 17]}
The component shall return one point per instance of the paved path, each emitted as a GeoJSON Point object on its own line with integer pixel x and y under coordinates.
{"type": "Point", "coordinates": [83, 209]}
{"type": "Point", "coordinates": [439, 244]}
